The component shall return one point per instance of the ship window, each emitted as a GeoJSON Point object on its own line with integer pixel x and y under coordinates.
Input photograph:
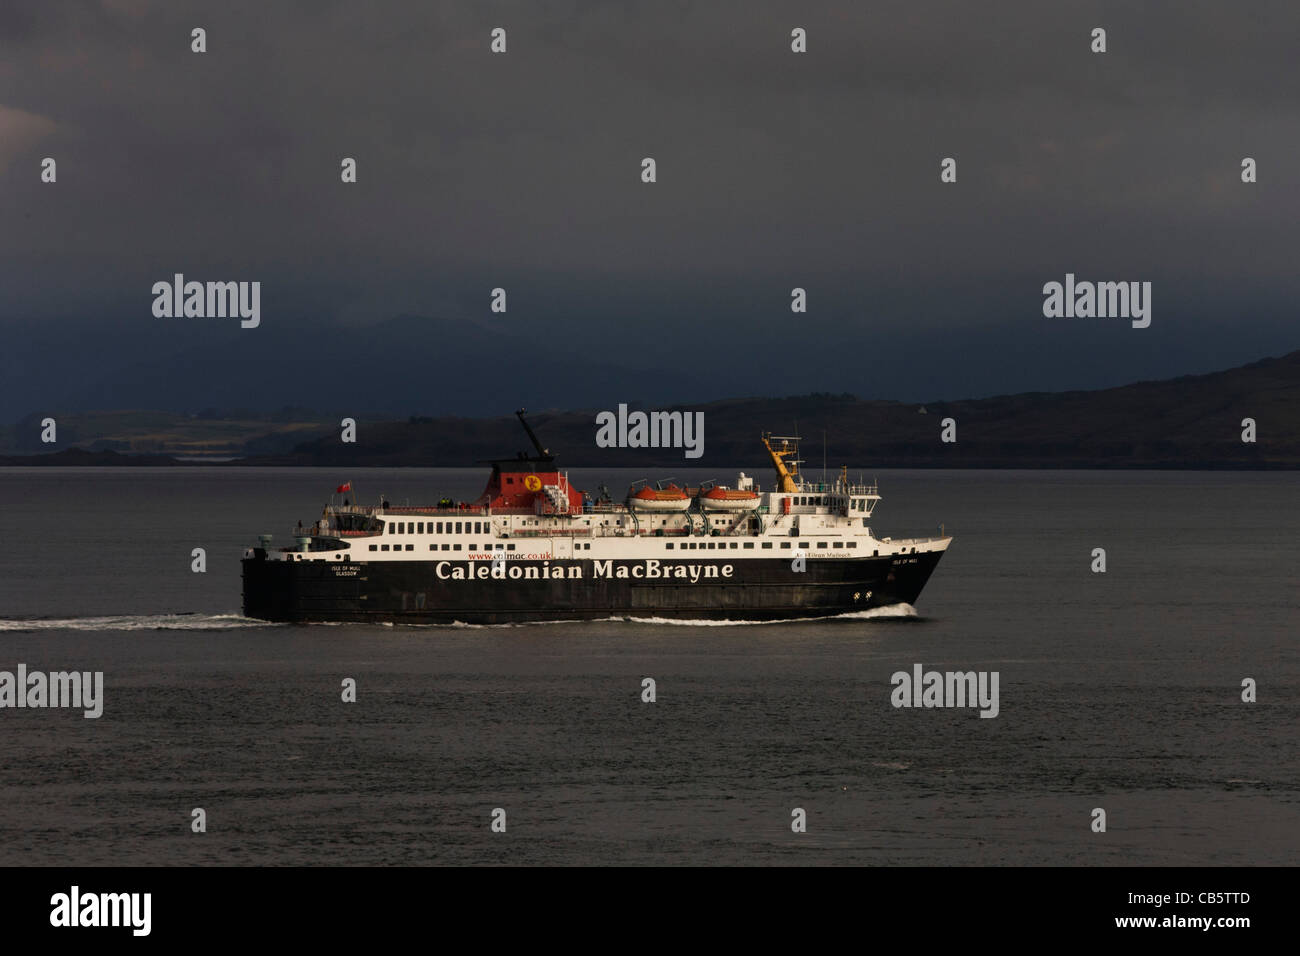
{"type": "Point", "coordinates": [733, 545]}
{"type": "Point", "coordinates": [433, 547]}
{"type": "Point", "coordinates": [669, 546]}
{"type": "Point", "coordinates": [458, 524]}
{"type": "Point", "coordinates": [839, 544]}
{"type": "Point", "coordinates": [876, 553]}
{"type": "Point", "coordinates": [455, 547]}
{"type": "Point", "coordinates": [851, 544]}
{"type": "Point", "coordinates": [419, 529]}
{"type": "Point", "coordinates": [374, 548]}
{"type": "Point", "coordinates": [510, 481]}
{"type": "Point", "coordinates": [749, 546]}
{"type": "Point", "coordinates": [767, 544]}
{"type": "Point", "coordinates": [384, 547]}
{"type": "Point", "coordinates": [410, 547]}
{"type": "Point", "coordinates": [446, 547]}
{"type": "Point", "coordinates": [821, 545]}
{"type": "Point", "coordinates": [401, 527]}
{"type": "Point", "coordinates": [785, 544]}
{"type": "Point", "coordinates": [510, 547]}
{"type": "Point", "coordinates": [473, 547]}
{"type": "Point", "coordinates": [803, 544]}
{"type": "Point", "coordinates": [864, 522]}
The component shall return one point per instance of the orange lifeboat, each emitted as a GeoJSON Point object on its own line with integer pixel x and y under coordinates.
{"type": "Point", "coordinates": [671, 498]}
{"type": "Point", "coordinates": [728, 499]}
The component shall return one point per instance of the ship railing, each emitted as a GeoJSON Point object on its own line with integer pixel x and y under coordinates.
{"type": "Point", "coordinates": [434, 510]}
{"type": "Point", "coordinates": [315, 531]}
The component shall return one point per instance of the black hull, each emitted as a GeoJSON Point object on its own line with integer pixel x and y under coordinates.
{"type": "Point", "coordinates": [422, 592]}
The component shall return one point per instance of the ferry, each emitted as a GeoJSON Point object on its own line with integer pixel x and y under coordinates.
{"type": "Point", "coordinates": [532, 547]}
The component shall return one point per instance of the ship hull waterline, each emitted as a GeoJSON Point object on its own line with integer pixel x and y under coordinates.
{"type": "Point", "coordinates": [478, 592]}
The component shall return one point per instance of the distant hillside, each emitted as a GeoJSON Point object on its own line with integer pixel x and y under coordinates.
{"type": "Point", "coordinates": [1188, 422]}
{"type": "Point", "coordinates": [208, 433]}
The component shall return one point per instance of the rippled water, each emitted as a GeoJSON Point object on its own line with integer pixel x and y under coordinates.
{"type": "Point", "coordinates": [1119, 691]}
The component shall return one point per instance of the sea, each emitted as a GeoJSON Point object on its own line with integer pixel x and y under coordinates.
{"type": "Point", "coordinates": [1120, 691]}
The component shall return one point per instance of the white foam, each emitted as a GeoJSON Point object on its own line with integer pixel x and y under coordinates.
{"type": "Point", "coordinates": [892, 611]}
{"type": "Point", "coordinates": [136, 622]}
{"type": "Point", "coordinates": [875, 613]}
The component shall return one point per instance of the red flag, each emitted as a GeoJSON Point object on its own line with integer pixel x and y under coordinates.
{"type": "Point", "coordinates": [346, 486]}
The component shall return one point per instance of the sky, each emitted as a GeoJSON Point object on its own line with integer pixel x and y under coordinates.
{"type": "Point", "coordinates": [522, 171]}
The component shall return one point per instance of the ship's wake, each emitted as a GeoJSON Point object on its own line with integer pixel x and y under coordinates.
{"type": "Point", "coordinates": [233, 622]}
{"type": "Point", "coordinates": [135, 622]}
{"type": "Point", "coordinates": [896, 612]}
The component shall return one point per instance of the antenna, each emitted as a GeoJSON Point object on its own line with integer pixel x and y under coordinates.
{"type": "Point", "coordinates": [823, 457]}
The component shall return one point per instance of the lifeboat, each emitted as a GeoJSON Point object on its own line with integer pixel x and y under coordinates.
{"type": "Point", "coordinates": [671, 498]}
{"type": "Point", "coordinates": [728, 499]}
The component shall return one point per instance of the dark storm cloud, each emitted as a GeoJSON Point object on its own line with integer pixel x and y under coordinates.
{"type": "Point", "coordinates": [775, 170]}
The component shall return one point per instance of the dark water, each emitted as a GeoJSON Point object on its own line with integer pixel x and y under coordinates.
{"type": "Point", "coordinates": [1117, 690]}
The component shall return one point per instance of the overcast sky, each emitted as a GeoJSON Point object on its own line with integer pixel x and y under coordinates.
{"type": "Point", "coordinates": [522, 170]}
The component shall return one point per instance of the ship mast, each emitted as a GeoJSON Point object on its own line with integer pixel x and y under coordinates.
{"type": "Point", "coordinates": [543, 454]}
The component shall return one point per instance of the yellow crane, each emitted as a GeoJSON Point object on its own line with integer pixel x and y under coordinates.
{"type": "Point", "coordinates": [786, 476]}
